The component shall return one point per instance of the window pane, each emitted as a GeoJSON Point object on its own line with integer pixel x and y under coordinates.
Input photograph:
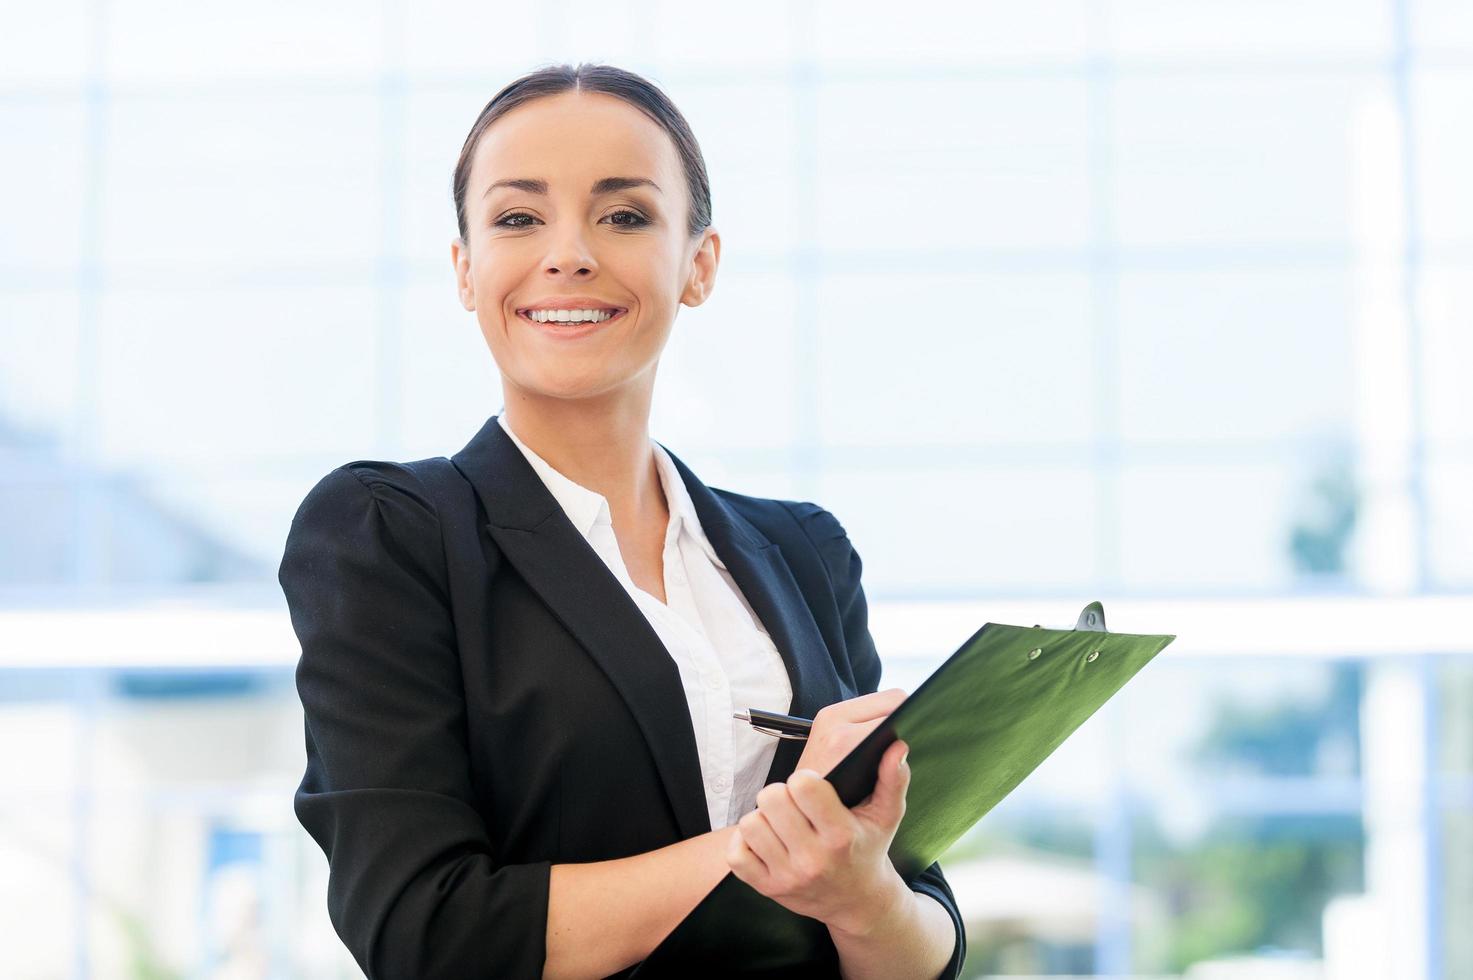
{"type": "Point", "coordinates": [1197, 730]}
{"type": "Point", "coordinates": [1246, 884]}
{"type": "Point", "coordinates": [937, 32]}
{"type": "Point", "coordinates": [955, 165]}
{"type": "Point", "coordinates": [747, 130]}
{"type": "Point", "coordinates": [729, 377]}
{"type": "Point", "coordinates": [1237, 159]}
{"type": "Point", "coordinates": [1445, 292]}
{"type": "Point", "coordinates": [1186, 526]}
{"type": "Point", "coordinates": [495, 42]}
{"type": "Point", "coordinates": [1456, 898]}
{"type": "Point", "coordinates": [1250, 29]}
{"type": "Point", "coordinates": [1453, 739]}
{"type": "Point", "coordinates": [954, 531]}
{"type": "Point", "coordinates": [1235, 357]}
{"type": "Point", "coordinates": [179, 529]}
{"type": "Point", "coordinates": [44, 44]}
{"type": "Point", "coordinates": [233, 184]}
{"type": "Point", "coordinates": [40, 549]}
{"type": "Point", "coordinates": [436, 125]}
{"type": "Point", "coordinates": [449, 382]}
{"type": "Point", "coordinates": [180, 40]}
{"type": "Point", "coordinates": [740, 39]}
{"type": "Point", "coordinates": [1450, 521]}
{"type": "Point", "coordinates": [1442, 105]}
{"type": "Point", "coordinates": [1031, 891]}
{"type": "Point", "coordinates": [1442, 27]}
{"type": "Point", "coordinates": [961, 360]}
{"type": "Point", "coordinates": [36, 889]}
{"type": "Point", "coordinates": [185, 373]}
{"type": "Point", "coordinates": [44, 192]}
{"type": "Point", "coordinates": [39, 360]}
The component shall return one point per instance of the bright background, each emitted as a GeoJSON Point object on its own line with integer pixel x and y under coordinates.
{"type": "Point", "coordinates": [1168, 304]}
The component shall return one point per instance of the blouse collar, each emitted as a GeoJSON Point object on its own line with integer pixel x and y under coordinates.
{"type": "Point", "coordinates": [587, 508]}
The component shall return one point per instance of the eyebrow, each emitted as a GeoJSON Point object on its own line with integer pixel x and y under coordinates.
{"type": "Point", "coordinates": [607, 185]}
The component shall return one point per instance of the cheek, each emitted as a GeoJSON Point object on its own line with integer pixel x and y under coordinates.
{"type": "Point", "coordinates": [493, 304]}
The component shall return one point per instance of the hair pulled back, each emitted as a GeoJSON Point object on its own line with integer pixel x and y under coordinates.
{"type": "Point", "coordinates": [632, 88]}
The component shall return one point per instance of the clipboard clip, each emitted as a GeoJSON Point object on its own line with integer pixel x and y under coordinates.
{"type": "Point", "coordinates": [1092, 619]}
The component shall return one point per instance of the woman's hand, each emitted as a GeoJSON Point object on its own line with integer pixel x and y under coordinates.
{"type": "Point", "coordinates": [840, 726]}
{"type": "Point", "coordinates": [805, 850]}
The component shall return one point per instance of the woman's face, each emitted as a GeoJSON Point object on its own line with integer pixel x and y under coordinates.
{"type": "Point", "coordinates": [625, 247]}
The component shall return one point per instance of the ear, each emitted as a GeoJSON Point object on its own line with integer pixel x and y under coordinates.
{"type": "Point", "coordinates": [460, 258]}
{"type": "Point", "coordinates": [702, 277]}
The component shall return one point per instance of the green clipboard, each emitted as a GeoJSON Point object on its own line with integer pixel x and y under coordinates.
{"type": "Point", "coordinates": [976, 727]}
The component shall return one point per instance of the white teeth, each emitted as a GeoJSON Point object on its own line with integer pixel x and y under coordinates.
{"type": "Point", "coordinates": [570, 316]}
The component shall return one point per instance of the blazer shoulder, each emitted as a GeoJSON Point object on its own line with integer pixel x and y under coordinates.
{"type": "Point", "coordinates": [797, 523]}
{"type": "Point", "coordinates": [383, 481]}
{"type": "Point", "coordinates": [370, 498]}
{"type": "Point", "coordinates": [779, 518]}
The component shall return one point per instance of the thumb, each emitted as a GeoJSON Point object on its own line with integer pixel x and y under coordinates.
{"type": "Point", "coordinates": [887, 803]}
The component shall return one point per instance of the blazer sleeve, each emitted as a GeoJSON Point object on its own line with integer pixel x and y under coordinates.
{"type": "Point", "coordinates": [845, 567]}
{"type": "Point", "coordinates": [414, 889]}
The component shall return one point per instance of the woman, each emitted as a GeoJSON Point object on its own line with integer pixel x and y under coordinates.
{"type": "Point", "coordinates": [519, 671]}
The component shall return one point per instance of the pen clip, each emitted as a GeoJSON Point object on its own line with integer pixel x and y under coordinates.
{"type": "Point", "coordinates": [771, 731]}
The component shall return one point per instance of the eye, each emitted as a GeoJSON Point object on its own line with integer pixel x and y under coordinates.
{"type": "Point", "coordinates": [506, 220]}
{"type": "Point", "coordinates": [638, 221]}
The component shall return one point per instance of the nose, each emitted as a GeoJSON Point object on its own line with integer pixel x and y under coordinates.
{"type": "Point", "coordinates": [569, 252]}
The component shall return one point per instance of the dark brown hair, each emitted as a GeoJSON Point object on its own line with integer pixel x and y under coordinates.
{"type": "Point", "coordinates": [632, 88]}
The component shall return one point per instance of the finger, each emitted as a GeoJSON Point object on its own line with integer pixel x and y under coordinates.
{"type": "Point", "coordinates": [787, 821]}
{"type": "Point", "coordinates": [758, 835]}
{"type": "Point", "coordinates": [820, 803]}
{"type": "Point", "coordinates": [867, 706]}
{"type": "Point", "coordinates": [742, 859]}
{"type": "Point", "coordinates": [886, 805]}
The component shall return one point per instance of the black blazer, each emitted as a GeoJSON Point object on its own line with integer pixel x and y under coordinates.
{"type": "Point", "coordinates": [483, 699]}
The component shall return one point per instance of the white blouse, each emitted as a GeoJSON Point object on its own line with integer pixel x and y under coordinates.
{"type": "Point", "coordinates": [726, 659]}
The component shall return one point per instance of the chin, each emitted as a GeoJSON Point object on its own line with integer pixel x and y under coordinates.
{"type": "Point", "coordinates": [555, 383]}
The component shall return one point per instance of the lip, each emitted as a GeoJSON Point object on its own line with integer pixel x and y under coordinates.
{"type": "Point", "coordinates": [571, 303]}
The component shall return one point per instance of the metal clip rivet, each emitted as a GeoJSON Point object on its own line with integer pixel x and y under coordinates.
{"type": "Point", "coordinates": [1093, 656]}
{"type": "Point", "coordinates": [1035, 653]}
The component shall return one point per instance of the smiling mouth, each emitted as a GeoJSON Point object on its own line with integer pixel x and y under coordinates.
{"type": "Point", "coordinates": [569, 325]}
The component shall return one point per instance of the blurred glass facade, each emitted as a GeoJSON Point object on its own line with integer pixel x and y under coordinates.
{"type": "Point", "coordinates": [1145, 301]}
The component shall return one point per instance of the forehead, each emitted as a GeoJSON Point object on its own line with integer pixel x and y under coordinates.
{"type": "Point", "coordinates": [572, 139]}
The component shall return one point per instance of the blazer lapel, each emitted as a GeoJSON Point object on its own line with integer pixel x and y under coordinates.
{"type": "Point", "coordinates": [534, 534]}
{"type": "Point", "coordinates": [757, 566]}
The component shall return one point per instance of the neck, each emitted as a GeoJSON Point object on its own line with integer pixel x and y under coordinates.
{"type": "Point", "coordinates": [601, 444]}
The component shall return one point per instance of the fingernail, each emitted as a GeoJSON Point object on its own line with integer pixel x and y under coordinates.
{"type": "Point", "coordinates": [903, 757]}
